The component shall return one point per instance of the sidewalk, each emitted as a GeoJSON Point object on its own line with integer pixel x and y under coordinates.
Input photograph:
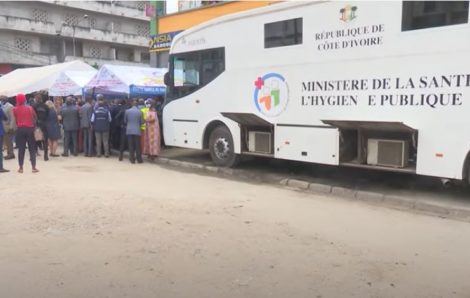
{"type": "Point", "coordinates": [455, 205]}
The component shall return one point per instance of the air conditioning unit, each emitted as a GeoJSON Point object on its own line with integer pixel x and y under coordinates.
{"type": "Point", "coordinates": [259, 142]}
{"type": "Point", "coordinates": [387, 153]}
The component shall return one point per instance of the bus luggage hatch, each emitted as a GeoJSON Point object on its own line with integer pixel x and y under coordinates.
{"type": "Point", "coordinates": [377, 144]}
{"type": "Point", "coordinates": [257, 134]}
{"type": "Point", "coordinates": [247, 119]}
{"type": "Point", "coordinates": [370, 125]}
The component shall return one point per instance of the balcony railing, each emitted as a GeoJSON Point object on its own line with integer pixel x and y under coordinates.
{"type": "Point", "coordinates": [15, 55]}
{"type": "Point", "coordinates": [85, 33]}
{"type": "Point", "coordinates": [108, 7]}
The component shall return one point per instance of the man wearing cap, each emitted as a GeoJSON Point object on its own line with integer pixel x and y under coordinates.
{"type": "Point", "coordinates": [101, 119]}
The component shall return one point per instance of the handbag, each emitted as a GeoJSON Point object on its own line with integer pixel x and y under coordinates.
{"type": "Point", "coordinates": [38, 135]}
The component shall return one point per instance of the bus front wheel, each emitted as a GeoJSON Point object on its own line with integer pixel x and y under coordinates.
{"type": "Point", "coordinates": [221, 147]}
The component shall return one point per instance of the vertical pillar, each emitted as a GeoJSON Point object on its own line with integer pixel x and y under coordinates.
{"type": "Point", "coordinates": [112, 53]}
{"type": "Point", "coordinates": [137, 56]}
{"type": "Point", "coordinates": [61, 53]}
{"type": "Point", "coordinates": [153, 59]}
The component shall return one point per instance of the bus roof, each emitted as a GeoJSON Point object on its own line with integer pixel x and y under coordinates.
{"type": "Point", "coordinates": [282, 6]}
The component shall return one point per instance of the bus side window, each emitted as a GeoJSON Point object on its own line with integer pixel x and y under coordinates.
{"type": "Point", "coordinates": [213, 64]}
{"type": "Point", "coordinates": [283, 33]}
{"type": "Point", "coordinates": [428, 14]}
{"type": "Point", "coordinates": [191, 71]}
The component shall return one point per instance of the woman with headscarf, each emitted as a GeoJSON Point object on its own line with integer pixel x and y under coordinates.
{"type": "Point", "coordinates": [144, 107]}
{"type": "Point", "coordinates": [152, 132]}
{"type": "Point", "coordinates": [25, 119]}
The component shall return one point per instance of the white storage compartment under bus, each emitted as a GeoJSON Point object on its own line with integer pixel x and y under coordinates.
{"type": "Point", "coordinates": [186, 132]}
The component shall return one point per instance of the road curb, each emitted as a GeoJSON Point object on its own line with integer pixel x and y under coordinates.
{"type": "Point", "coordinates": [463, 214]}
{"type": "Point", "coordinates": [297, 184]}
{"type": "Point", "coordinates": [392, 201]}
{"type": "Point", "coordinates": [399, 202]}
{"type": "Point", "coordinates": [368, 196]}
{"type": "Point", "coordinates": [376, 198]}
{"type": "Point", "coordinates": [343, 192]}
{"type": "Point", "coordinates": [320, 188]}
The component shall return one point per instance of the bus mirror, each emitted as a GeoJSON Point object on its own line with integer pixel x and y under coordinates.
{"type": "Point", "coordinates": [166, 79]}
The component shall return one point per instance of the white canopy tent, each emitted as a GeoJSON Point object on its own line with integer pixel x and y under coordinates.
{"type": "Point", "coordinates": [28, 80]}
{"type": "Point", "coordinates": [71, 82]}
{"type": "Point", "coordinates": [130, 80]}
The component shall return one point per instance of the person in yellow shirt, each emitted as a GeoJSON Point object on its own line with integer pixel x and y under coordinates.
{"type": "Point", "coordinates": [144, 109]}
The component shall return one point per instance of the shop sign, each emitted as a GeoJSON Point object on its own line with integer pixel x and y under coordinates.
{"type": "Point", "coordinates": [147, 90]}
{"type": "Point", "coordinates": [161, 42]}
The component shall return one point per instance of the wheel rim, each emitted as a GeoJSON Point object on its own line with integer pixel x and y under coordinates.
{"type": "Point", "coordinates": [221, 148]}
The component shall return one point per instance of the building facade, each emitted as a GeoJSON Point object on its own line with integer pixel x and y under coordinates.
{"type": "Point", "coordinates": [34, 33]}
{"type": "Point", "coordinates": [191, 13]}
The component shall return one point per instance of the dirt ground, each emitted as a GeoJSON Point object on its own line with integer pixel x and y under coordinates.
{"type": "Point", "coordinates": [89, 227]}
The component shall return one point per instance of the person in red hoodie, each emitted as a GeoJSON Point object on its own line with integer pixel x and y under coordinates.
{"type": "Point", "coordinates": [25, 119]}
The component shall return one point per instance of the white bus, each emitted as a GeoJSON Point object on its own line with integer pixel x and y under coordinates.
{"type": "Point", "coordinates": [380, 85]}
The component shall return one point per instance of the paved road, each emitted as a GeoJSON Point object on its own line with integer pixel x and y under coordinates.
{"type": "Point", "coordinates": [88, 227]}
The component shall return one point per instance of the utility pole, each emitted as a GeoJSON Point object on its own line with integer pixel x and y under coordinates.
{"type": "Point", "coordinates": [159, 9]}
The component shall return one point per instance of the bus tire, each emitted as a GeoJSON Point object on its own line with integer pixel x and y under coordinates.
{"type": "Point", "coordinates": [466, 172]}
{"type": "Point", "coordinates": [221, 147]}
{"type": "Point", "coordinates": [466, 180]}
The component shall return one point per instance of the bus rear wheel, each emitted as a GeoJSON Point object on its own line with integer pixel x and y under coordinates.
{"type": "Point", "coordinates": [221, 147]}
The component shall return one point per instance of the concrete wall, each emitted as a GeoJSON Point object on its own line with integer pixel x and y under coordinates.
{"type": "Point", "coordinates": [116, 8]}
{"type": "Point", "coordinates": [9, 53]}
{"type": "Point", "coordinates": [46, 27]}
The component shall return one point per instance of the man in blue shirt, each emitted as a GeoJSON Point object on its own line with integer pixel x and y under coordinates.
{"type": "Point", "coordinates": [101, 119]}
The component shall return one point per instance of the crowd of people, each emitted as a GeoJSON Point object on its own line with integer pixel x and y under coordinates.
{"type": "Point", "coordinates": [90, 125]}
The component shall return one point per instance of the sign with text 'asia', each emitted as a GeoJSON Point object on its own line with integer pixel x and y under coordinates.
{"type": "Point", "coordinates": [161, 42]}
